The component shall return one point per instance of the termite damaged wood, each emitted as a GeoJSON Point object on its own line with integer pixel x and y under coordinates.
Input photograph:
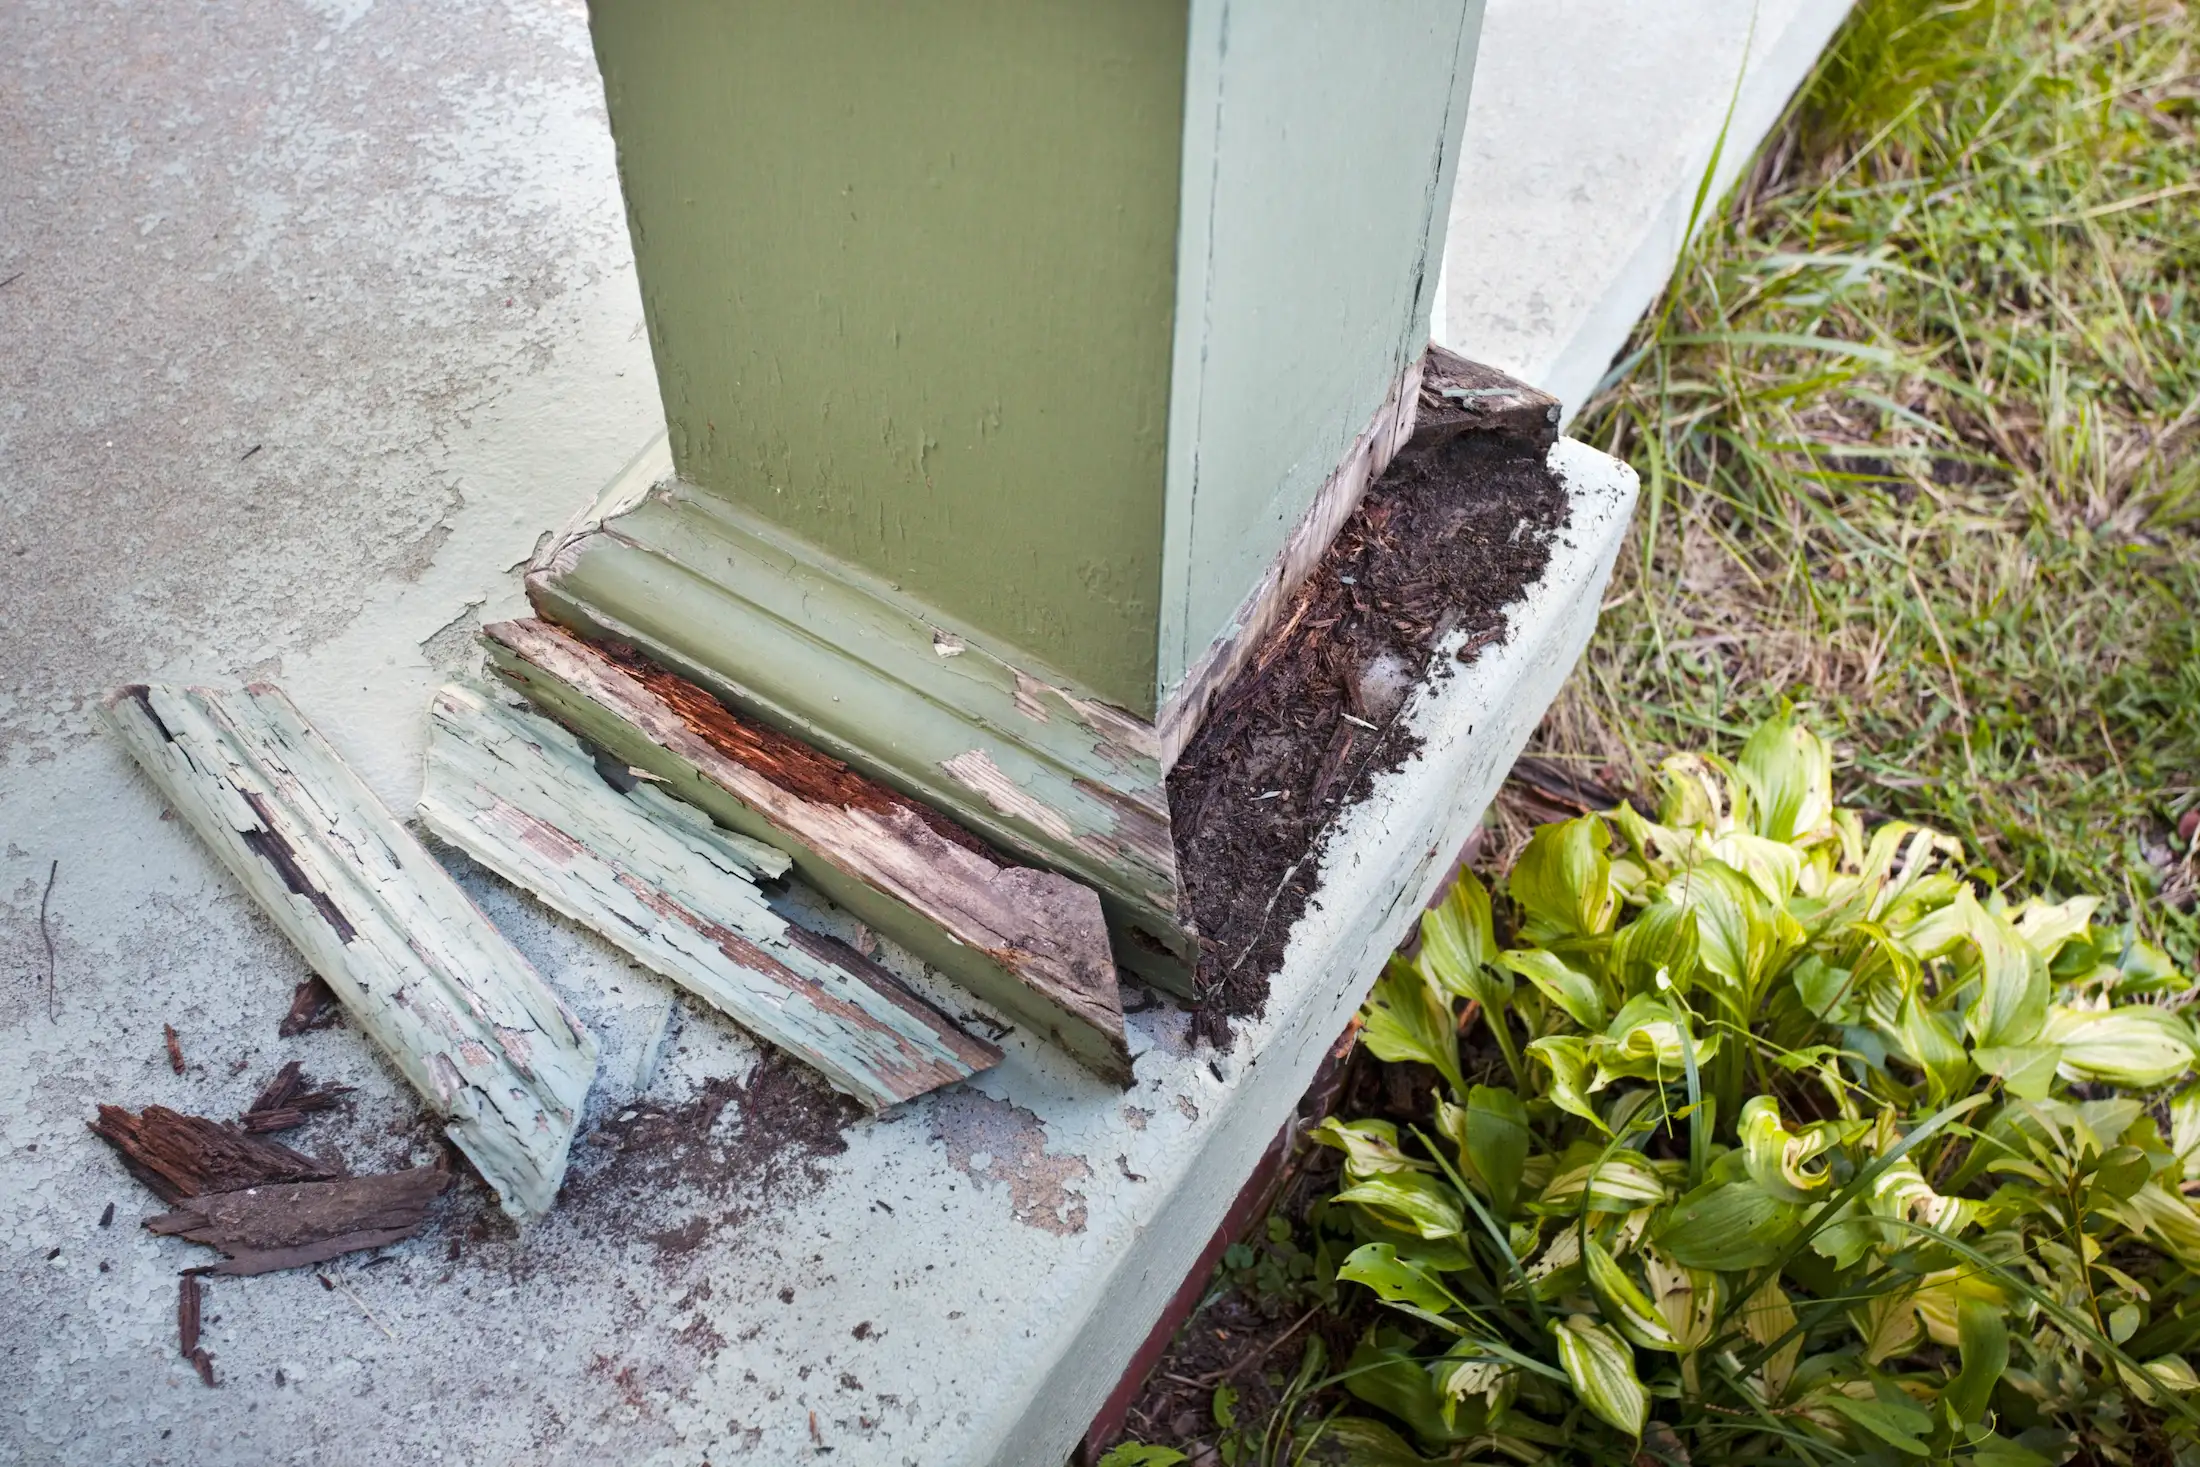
{"type": "Point", "coordinates": [466, 1019]}
{"type": "Point", "coordinates": [1032, 943]}
{"type": "Point", "coordinates": [657, 878]}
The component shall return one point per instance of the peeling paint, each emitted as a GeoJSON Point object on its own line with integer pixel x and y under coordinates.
{"type": "Point", "coordinates": [991, 1140]}
{"type": "Point", "coordinates": [976, 772]}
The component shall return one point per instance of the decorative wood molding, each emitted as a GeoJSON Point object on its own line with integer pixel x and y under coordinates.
{"type": "Point", "coordinates": [465, 1018]}
{"type": "Point", "coordinates": [853, 668]}
{"type": "Point", "coordinates": [1032, 943]}
{"type": "Point", "coordinates": [660, 881]}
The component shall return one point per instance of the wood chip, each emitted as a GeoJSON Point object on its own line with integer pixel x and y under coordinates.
{"type": "Point", "coordinates": [175, 1049]}
{"type": "Point", "coordinates": [261, 1229]}
{"type": "Point", "coordinates": [180, 1156]}
{"type": "Point", "coordinates": [287, 1100]}
{"type": "Point", "coordinates": [187, 1315]}
{"type": "Point", "coordinates": [313, 1005]}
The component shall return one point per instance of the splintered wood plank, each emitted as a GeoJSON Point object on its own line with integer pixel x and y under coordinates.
{"type": "Point", "coordinates": [262, 1229]}
{"type": "Point", "coordinates": [467, 1021]}
{"type": "Point", "coordinates": [1030, 942]}
{"type": "Point", "coordinates": [660, 880]}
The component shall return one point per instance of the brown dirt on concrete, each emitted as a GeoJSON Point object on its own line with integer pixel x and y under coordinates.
{"type": "Point", "coordinates": [735, 1146]}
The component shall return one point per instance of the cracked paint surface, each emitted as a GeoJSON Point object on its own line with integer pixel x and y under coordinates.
{"type": "Point", "coordinates": [993, 1141]}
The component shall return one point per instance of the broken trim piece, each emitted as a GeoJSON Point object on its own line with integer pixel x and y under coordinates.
{"type": "Point", "coordinates": [657, 879]}
{"type": "Point", "coordinates": [466, 1019]}
{"type": "Point", "coordinates": [1030, 942]}
{"type": "Point", "coordinates": [263, 1229]}
{"type": "Point", "coordinates": [855, 669]}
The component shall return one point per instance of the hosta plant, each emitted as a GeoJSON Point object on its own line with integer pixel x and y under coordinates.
{"type": "Point", "coordinates": [1766, 1136]}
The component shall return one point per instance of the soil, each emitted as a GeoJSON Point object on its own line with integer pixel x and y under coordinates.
{"type": "Point", "coordinates": [736, 1145]}
{"type": "Point", "coordinates": [1454, 532]}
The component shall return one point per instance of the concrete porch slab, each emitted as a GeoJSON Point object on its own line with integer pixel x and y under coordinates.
{"type": "Point", "coordinates": [1588, 135]}
{"type": "Point", "coordinates": [315, 325]}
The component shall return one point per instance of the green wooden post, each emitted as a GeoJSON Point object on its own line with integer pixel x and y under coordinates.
{"type": "Point", "coordinates": [1018, 357]}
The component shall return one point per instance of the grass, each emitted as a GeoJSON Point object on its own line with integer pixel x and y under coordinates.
{"type": "Point", "coordinates": [1919, 430]}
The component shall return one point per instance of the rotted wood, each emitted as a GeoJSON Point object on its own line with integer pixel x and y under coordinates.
{"type": "Point", "coordinates": [262, 1229]}
{"type": "Point", "coordinates": [1459, 397]}
{"type": "Point", "coordinates": [179, 1156]}
{"type": "Point", "coordinates": [1031, 942]}
{"type": "Point", "coordinates": [853, 668]}
{"type": "Point", "coordinates": [468, 1022]}
{"type": "Point", "coordinates": [658, 879]}
{"type": "Point", "coordinates": [286, 1101]}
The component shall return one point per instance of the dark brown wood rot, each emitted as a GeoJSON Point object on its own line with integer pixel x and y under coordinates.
{"type": "Point", "coordinates": [288, 1100]}
{"type": "Point", "coordinates": [1459, 396]}
{"type": "Point", "coordinates": [262, 1229]}
{"type": "Point", "coordinates": [187, 1315]}
{"type": "Point", "coordinates": [189, 1303]}
{"type": "Point", "coordinates": [1455, 530]}
{"type": "Point", "coordinates": [313, 1005]}
{"type": "Point", "coordinates": [787, 762]}
{"type": "Point", "coordinates": [180, 1156]}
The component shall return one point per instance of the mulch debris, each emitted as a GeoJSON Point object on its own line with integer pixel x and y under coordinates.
{"type": "Point", "coordinates": [1453, 533]}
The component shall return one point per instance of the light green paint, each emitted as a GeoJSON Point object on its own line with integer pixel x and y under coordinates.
{"type": "Point", "coordinates": [1320, 143]}
{"type": "Point", "coordinates": [658, 879]}
{"type": "Point", "coordinates": [909, 274]}
{"type": "Point", "coordinates": [1027, 327]}
{"type": "Point", "coordinates": [820, 649]}
{"type": "Point", "coordinates": [885, 913]}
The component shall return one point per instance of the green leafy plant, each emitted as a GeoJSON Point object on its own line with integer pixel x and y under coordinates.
{"type": "Point", "coordinates": [1775, 1138]}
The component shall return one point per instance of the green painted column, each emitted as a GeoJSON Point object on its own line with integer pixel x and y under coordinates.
{"type": "Point", "coordinates": [909, 275]}
{"type": "Point", "coordinates": [1017, 356]}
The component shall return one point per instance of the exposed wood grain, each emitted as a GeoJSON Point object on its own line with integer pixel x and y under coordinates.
{"type": "Point", "coordinates": [705, 589]}
{"type": "Point", "coordinates": [262, 1229]}
{"type": "Point", "coordinates": [287, 1100]}
{"type": "Point", "coordinates": [469, 1023]}
{"type": "Point", "coordinates": [187, 1315]}
{"type": "Point", "coordinates": [525, 798]}
{"type": "Point", "coordinates": [180, 1156]}
{"type": "Point", "coordinates": [1031, 942]}
{"type": "Point", "coordinates": [1459, 396]}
